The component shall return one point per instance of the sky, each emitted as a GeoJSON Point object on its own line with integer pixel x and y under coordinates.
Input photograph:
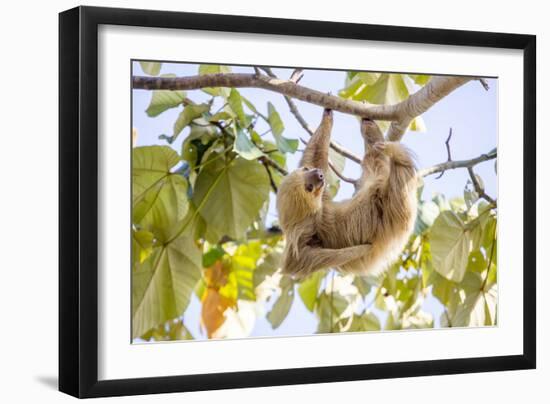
{"type": "Point", "coordinates": [470, 111]}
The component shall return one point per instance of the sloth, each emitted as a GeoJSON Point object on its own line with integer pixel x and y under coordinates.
{"type": "Point", "coordinates": [361, 235]}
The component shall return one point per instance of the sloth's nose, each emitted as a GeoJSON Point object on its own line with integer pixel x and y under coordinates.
{"type": "Point", "coordinates": [320, 175]}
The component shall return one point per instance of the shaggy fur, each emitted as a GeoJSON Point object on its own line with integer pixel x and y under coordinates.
{"type": "Point", "coordinates": [361, 235]}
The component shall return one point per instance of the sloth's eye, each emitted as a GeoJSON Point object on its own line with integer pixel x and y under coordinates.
{"type": "Point", "coordinates": [305, 168]}
{"type": "Point", "coordinates": [309, 187]}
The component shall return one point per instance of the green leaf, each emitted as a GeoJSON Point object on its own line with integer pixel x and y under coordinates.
{"type": "Point", "coordinates": [162, 285]}
{"type": "Point", "coordinates": [450, 246]}
{"type": "Point", "coordinates": [420, 79]}
{"type": "Point", "coordinates": [186, 116]}
{"type": "Point", "coordinates": [142, 245]}
{"type": "Point", "coordinates": [427, 213]}
{"type": "Point", "coordinates": [163, 100]}
{"type": "Point", "coordinates": [200, 140]}
{"type": "Point", "coordinates": [470, 195]}
{"type": "Point", "coordinates": [270, 264]}
{"type": "Point", "coordinates": [476, 262]}
{"type": "Point", "coordinates": [245, 148]}
{"type": "Point", "coordinates": [282, 306]}
{"type": "Point", "coordinates": [363, 285]}
{"type": "Point", "coordinates": [231, 196]}
{"type": "Point", "coordinates": [309, 289]}
{"type": "Point", "coordinates": [151, 68]}
{"type": "Point", "coordinates": [284, 144]}
{"type": "Point", "coordinates": [236, 104]}
{"type": "Point", "coordinates": [329, 309]}
{"type": "Point", "coordinates": [365, 322]}
{"type": "Point", "coordinates": [381, 89]}
{"type": "Point", "coordinates": [249, 105]}
{"type": "Point", "coordinates": [159, 197]}
{"type": "Point", "coordinates": [213, 255]}
{"type": "Point", "coordinates": [220, 116]}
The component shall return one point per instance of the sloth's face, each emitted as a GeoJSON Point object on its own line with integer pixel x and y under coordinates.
{"type": "Point", "coordinates": [313, 180]}
{"type": "Point", "coordinates": [300, 194]}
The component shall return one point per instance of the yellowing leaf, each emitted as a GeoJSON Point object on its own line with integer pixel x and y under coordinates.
{"type": "Point", "coordinates": [214, 303]}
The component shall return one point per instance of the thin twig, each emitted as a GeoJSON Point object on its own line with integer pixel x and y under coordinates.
{"type": "Point", "coordinates": [340, 175]}
{"type": "Point", "coordinates": [272, 163]}
{"type": "Point", "coordinates": [484, 84]}
{"type": "Point", "coordinates": [271, 180]}
{"type": "Point", "coordinates": [297, 75]}
{"type": "Point", "coordinates": [448, 146]}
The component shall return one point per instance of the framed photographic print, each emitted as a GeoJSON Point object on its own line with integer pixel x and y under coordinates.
{"type": "Point", "coordinates": [251, 201]}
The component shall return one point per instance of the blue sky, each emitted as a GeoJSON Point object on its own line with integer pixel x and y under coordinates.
{"type": "Point", "coordinates": [470, 111]}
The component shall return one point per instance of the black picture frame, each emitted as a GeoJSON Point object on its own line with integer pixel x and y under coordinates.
{"type": "Point", "coordinates": [78, 201]}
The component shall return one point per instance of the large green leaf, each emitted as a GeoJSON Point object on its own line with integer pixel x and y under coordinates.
{"type": "Point", "coordinates": [163, 100]}
{"type": "Point", "coordinates": [159, 197]}
{"type": "Point", "coordinates": [284, 144]}
{"type": "Point", "coordinates": [450, 246]}
{"type": "Point", "coordinates": [162, 285]}
{"type": "Point", "coordinates": [230, 195]}
{"type": "Point", "coordinates": [151, 68]}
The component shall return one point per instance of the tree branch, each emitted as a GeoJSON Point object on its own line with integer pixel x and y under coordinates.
{"type": "Point", "coordinates": [401, 113]}
{"type": "Point", "coordinates": [451, 165]}
{"type": "Point", "coordinates": [342, 176]}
